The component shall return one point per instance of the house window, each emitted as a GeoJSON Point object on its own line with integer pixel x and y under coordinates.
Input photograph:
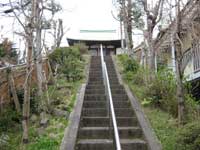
{"type": "Point", "coordinates": [196, 57]}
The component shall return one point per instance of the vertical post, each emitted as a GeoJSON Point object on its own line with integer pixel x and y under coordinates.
{"type": "Point", "coordinates": [173, 54]}
{"type": "Point", "coordinates": [1, 104]}
{"type": "Point", "coordinates": [156, 65]}
{"type": "Point", "coordinates": [121, 34]}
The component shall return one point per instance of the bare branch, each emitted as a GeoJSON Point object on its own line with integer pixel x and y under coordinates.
{"type": "Point", "coordinates": [17, 16]}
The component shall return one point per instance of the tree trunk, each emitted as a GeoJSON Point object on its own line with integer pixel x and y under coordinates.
{"type": "Point", "coordinates": [129, 22]}
{"type": "Point", "coordinates": [60, 33]}
{"type": "Point", "coordinates": [38, 50]}
{"type": "Point", "coordinates": [180, 91]}
{"type": "Point", "coordinates": [125, 22]}
{"type": "Point", "coordinates": [39, 61]}
{"type": "Point", "coordinates": [13, 91]}
{"type": "Point", "coordinates": [27, 88]}
{"type": "Point", "coordinates": [27, 84]}
{"type": "Point", "coordinates": [150, 55]}
{"type": "Point", "coordinates": [179, 71]}
{"type": "Point", "coordinates": [121, 33]}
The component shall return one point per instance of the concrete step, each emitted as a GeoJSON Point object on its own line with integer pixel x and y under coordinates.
{"type": "Point", "coordinates": [92, 70]}
{"type": "Point", "coordinates": [94, 122]}
{"type": "Point", "coordinates": [95, 87]}
{"type": "Point", "coordinates": [95, 82]}
{"type": "Point", "coordinates": [94, 97]}
{"type": "Point", "coordinates": [117, 86]}
{"type": "Point", "coordinates": [121, 104]}
{"type": "Point", "coordinates": [104, 121]}
{"type": "Point", "coordinates": [95, 65]}
{"type": "Point", "coordinates": [130, 132]}
{"type": "Point", "coordinates": [94, 133]}
{"type": "Point", "coordinates": [119, 97]}
{"type": "Point", "coordinates": [102, 112]}
{"type": "Point", "coordinates": [127, 121]}
{"type": "Point", "coordinates": [94, 104]}
{"type": "Point", "coordinates": [111, 68]}
{"type": "Point", "coordinates": [118, 91]}
{"type": "Point", "coordinates": [113, 82]}
{"type": "Point", "coordinates": [96, 78]}
{"type": "Point", "coordinates": [112, 75]}
{"type": "Point", "coordinates": [133, 144]}
{"type": "Point", "coordinates": [95, 72]}
{"type": "Point", "coordinates": [107, 132]}
{"type": "Point", "coordinates": [94, 112]}
{"type": "Point", "coordinates": [94, 91]}
{"type": "Point", "coordinates": [95, 144]}
{"type": "Point", "coordinates": [96, 75]}
{"type": "Point", "coordinates": [124, 112]}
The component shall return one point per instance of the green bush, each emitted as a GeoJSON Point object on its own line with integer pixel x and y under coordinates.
{"type": "Point", "coordinates": [34, 101]}
{"type": "Point", "coordinates": [70, 62]}
{"type": "Point", "coordinates": [162, 91]}
{"type": "Point", "coordinates": [9, 118]}
{"type": "Point", "coordinates": [189, 137]}
{"type": "Point", "coordinates": [82, 47]}
{"type": "Point", "coordinates": [129, 63]}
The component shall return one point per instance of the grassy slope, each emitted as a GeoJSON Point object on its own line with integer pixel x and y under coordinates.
{"type": "Point", "coordinates": [49, 138]}
{"type": "Point", "coordinates": [164, 125]}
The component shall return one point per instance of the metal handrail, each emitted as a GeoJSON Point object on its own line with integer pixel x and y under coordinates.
{"type": "Point", "coordinates": [111, 106]}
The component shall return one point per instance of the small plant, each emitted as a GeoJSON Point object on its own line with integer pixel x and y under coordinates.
{"type": "Point", "coordinates": [44, 143]}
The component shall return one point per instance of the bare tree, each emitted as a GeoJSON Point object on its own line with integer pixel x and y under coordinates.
{"type": "Point", "coordinates": [182, 22]}
{"type": "Point", "coordinates": [32, 14]}
{"type": "Point", "coordinates": [179, 71]}
{"type": "Point", "coordinates": [125, 15]}
{"type": "Point", "coordinates": [28, 34]}
{"type": "Point", "coordinates": [41, 7]}
{"type": "Point", "coordinates": [153, 17]}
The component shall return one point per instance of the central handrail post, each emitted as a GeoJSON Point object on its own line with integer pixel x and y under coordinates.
{"type": "Point", "coordinates": [116, 139]}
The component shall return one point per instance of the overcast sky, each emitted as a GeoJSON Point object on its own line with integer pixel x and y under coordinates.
{"type": "Point", "coordinates": [89, 15]}
{"type": "Point", "coordinates": [77, 15]}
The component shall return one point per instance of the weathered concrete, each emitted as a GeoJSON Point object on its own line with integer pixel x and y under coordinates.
{"type": "Point", "coordinates": [149, 134]}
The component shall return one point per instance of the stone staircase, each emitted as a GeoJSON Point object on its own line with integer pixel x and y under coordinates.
{"type": "Point", "coordinates": [94, 132]}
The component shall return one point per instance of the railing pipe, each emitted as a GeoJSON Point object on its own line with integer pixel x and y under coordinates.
{"type": "Point", "coordinates": [107, 84]}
